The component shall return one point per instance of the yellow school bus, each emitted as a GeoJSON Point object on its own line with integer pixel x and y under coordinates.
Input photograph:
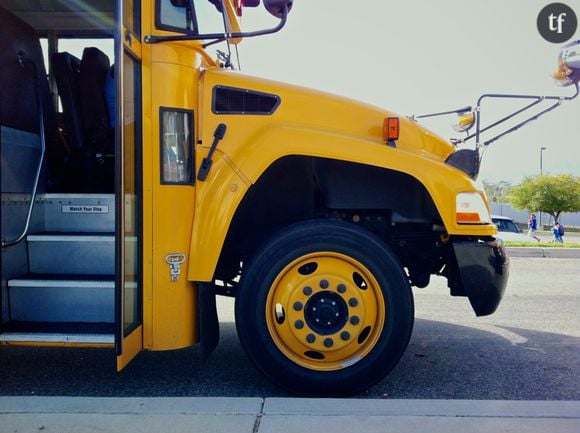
{"type": "Point", "coordinates": [140, 183]}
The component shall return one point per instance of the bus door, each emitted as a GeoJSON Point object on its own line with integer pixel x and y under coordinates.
{"type": "Point", "coordinates": [128, 268]}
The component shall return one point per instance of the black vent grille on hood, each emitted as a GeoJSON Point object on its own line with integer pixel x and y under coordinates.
{"type": "Point", "coordinates": [232, 100]}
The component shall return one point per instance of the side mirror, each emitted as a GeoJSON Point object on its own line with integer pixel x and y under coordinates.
{"type": "Point", "coordinates": [277, 7]}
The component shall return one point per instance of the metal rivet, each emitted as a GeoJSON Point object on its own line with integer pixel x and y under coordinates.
{"type": "Point", "coordinates": [310, 338]}
{"type": "Point", "coordinates": [344, 335]}
{"type": "Point", "coordinates": [354, 320]}
{"type": "Point", "coordinates": [307, 290]}
{"type": "Point", "coordinates": [328, 342]}
{"type": "Point", "coordinates": [324, 284]}
{"type": "Point", "coordinates": [299, 324]}
{"type": "Point", "coordinates": [341, 288]}
{"type": "Point", "coordinates": [298, 306]}
{"type": "Point", "coordinates": [353, 302]}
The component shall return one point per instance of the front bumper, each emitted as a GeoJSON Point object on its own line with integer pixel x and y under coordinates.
{"type": "Point", "coordinates": [483, 271]}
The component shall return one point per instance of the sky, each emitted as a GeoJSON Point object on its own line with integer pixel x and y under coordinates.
{"type": "Point", "coordinates": [419, 56]}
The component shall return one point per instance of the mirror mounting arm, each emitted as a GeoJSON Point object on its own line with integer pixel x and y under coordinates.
{"type": "Point", "coordinates": [536, 100]}
{"type": "Point", "coordinates": [219, 37]}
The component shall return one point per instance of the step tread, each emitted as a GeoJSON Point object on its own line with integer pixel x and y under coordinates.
{"type": "Point", "coordinates": [17, 337]}
{"type": "Point", "coordinates": [73, 196]}
{"type": "Point", "coordinates": [63, 280]}
{"type": "Point", "coordinates": [71, 237]}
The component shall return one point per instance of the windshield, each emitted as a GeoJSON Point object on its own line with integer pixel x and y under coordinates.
{"type": "Point", "coordinates": [178, 16]}
{"type": "Point", "coordinates": [506, 226]}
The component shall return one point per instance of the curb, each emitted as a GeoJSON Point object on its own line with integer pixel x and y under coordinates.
{"type": "Point", "coordinates": [552, 253]}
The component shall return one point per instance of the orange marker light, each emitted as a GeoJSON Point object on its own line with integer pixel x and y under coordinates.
{"type": "Point", "coordinates": [467, 217]}
{"type": "Point", "coordinates": [391, 129]}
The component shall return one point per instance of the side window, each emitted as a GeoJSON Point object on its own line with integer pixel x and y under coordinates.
{"type": "Point", "coordinates": [175, 15]}
{"type": "Point", "coordinates": [176, 146]}
{"type": "Point", "coordinates": [76, 46]}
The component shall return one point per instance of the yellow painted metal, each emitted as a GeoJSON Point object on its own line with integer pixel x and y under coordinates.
{"type": "Point", "coordinates": [132, 345]}
{"type": "Point", "coordinates": [194, 220]}
{"type": "Point", "coordinates": [368, 305]}
{"type": "Point", "coordinates": [317, 124]}
{"type": "Point", "coordinates": [147, 223]}
{"type": "Point", "coordinates": [232, 21]}
{"type": "Point", "coordinates": [171, 74]}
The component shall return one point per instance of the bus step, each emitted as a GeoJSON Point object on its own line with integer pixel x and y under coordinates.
{"type": "Point", "coordinates": [58, 298]}
{"type": "Point", "coordinates": [78, 212]}
{"type": "Point", "coordinates": [72, 254]}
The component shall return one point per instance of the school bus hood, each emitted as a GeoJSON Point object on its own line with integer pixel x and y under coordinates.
{"type": "Point", "coordinates": [313, 109]}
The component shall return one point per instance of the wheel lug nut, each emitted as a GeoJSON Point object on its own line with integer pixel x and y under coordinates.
{"type": "Point", "coordinates": [328, 342]}
{"type": "Point", "coordinates": [341, 288]}
{"type": "Point", "coordinates": [354, 320]}
{"type": "Point", "coordinates": [324, 284]}
{"type": "Point", "coordinates": [307, 290]}
{"type": "Point", "coordinates": [298, 306]}
{"type": "Point", "coordinates": [353, 302]}
{"type": "Point", "coordinates": [310, 338]}
{"type": "Point", "coordinates": [344, 335]}
{"type": "Point", "coordinates": [333, 303]}
{"type": "Point", "coordinates": [299, 324]}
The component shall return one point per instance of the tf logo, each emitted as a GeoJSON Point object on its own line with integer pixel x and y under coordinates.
{"type": "Point", "coordinates": [557, 23]}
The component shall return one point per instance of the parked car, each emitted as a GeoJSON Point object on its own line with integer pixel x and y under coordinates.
{"type": "Point", "coordinates": [508, 231]}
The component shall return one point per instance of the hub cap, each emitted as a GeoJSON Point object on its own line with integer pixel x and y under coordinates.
{"type": "Point", "coordinates": [333, 311]}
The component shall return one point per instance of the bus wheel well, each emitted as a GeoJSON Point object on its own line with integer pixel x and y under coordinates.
{"type": "Point", "coordinates": [298, 188]}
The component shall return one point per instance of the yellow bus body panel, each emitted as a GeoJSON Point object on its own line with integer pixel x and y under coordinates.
{"type": "Point", "coordinates": [316, 124]}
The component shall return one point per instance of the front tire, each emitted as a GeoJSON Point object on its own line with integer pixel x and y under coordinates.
{"type": "Point", "coordinates": [324, 308]}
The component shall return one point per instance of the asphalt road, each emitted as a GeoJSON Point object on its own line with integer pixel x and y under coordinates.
{"type": "Point", "coordinates": [529, 349]}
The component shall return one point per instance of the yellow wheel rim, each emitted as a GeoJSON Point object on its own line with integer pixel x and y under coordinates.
{"type": "Point", "coordinates": [325, 311]}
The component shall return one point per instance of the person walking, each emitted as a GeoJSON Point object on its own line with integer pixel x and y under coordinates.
{"type": "Point", "coordinates": [532, 227]}
{"type": "Point", "coordinates": [562, 230]}
{"type": "Point", "coordinates": [556, 233]}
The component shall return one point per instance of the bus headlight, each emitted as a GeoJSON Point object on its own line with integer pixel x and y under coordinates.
{"type": "Point", "coordinates": [471, 209]}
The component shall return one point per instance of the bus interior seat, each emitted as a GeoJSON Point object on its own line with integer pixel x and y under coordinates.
{"type": "Point", "coordinates": [22, 72]}
{"type": "Point", "coordinates": [81, 86]}
{"type": "Point", "coordinates": [66, 70]}
{"type": "Point", "coordinates": [93, 73]}
{"type": "Point", "coordinates": [99, 136]}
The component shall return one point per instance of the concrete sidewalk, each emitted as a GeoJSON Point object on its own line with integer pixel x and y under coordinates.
{"type": "Point", "coordinates": [279, 415]}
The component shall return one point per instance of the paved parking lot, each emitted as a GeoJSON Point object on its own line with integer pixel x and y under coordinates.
{"type": "Point", "coordinates": [528, 350]}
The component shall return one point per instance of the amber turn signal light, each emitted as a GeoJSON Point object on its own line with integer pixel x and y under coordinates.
{"type": "Point", "coordinates": [391, 129]}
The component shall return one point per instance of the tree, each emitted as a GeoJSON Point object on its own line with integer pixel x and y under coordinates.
{"type": "Point", "coordinates": [549, 194]}
{"type": "Point", "coordinates": [497, 192]}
